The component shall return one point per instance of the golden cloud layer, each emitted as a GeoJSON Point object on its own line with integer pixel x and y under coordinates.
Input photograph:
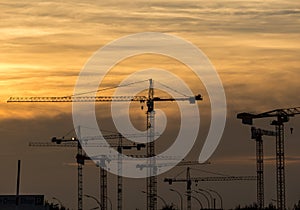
{"type": "Point", "coordinates": [254, 45]}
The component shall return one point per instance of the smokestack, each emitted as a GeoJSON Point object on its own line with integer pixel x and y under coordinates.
{"type": "Point", "coordinates": [18, 182]}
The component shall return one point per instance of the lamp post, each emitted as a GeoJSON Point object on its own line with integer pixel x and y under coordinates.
{"type": "Point", "coordinates": [200, 204]}
{"type": "Point", "coordinates": [110, 203]}
{"type": "Point", "coordinates": [94, 198]}
{"type": "Point", "coordinates": [208, 205]}
{"type": "Point", "coordinates": [163, 200]}
{"type": "Point", "coordinates": [218, 194]}
{"type": "Point", "coordinates": [213, 204]}
{"type": "Point", "coordinates": [181, 203]}
{"type": "Point", "coordinates": [60, 203]}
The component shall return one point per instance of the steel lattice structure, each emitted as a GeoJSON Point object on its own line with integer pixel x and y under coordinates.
{"type": "Point", "coordinates": [256, 134]}
{"type": "Point", "coordinates": [149, 100]}
{"type": "Point", "coordinates": [282, 116]}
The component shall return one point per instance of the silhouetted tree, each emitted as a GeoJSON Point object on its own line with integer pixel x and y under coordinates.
{"type": "Point", "coordinates": [255, 206]}
{"type": "Point", "coordinates": [52, 206]}
{"type": "Point", "coordinates": [169, 207]}
{"type": "Point", "coordinates": [271, 206]}
{"type": "Point", "coordinates": [251, 206]}
{"type": "Point", "coordinates": [297, 206]}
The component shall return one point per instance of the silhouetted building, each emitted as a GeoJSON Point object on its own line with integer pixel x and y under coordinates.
{"type": "Point", "coordinates": [22, 202]}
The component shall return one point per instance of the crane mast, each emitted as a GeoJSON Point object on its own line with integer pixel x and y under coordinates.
{"type": "Point", "coordinates": [183, 163]}
{"type": "Point", "coordinates": [150, 99]}
{"type": "Point", "coordinates": [103, 182]}
{"type": "Point", "coordinates": [101, 163]}
{"type": "Point", "coordinates": [72, 142]}
{"type": "Point", "coordinates": [152, 171]}
{"type": "Point", "coordinates": [257, 134]}
{"type": "Point", "coordinates": [120, 179]}
{"type": "Point", "coordinates": [80, 158]}
{"type": "Point", "coordinates": [79, 166]}
{"type": "Point", "coordinates": [188, 189]}
{"type": "Point", "coordinates": [281, 116]}
{"type": "Point", "coordinates": [103, 168]}
{"type": "Point", "coordinates": [188, 180]}
{"type": "Point", "coordinates": [280, 164]}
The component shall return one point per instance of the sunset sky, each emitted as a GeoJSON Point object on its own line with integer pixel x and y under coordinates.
{"type": "Point", "coordinates": [254, 46]}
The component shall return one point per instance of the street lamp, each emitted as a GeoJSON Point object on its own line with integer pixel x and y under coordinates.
{"type": "Point", "coordinates": [110, 203]}
{"type": "Point", "coordinates": [221, 200]}
{"type": "Point", "coordinates": [163, 200]}
{"type": "Point", "coordinates": [208, 205]}
{"type": "Point", "coordinates": [201, 207]}
{"type": "Point", "coordinates": [211, 198]}
{"type": "Point", "coordinates": [94, 198]}
{"type": "Point", "coordinates": [181, 203]}
{"type": "Point", "coordinates": [60, 203]}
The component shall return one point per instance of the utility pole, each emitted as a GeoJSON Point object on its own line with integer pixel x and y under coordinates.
{"type": "Point", "coordinates": [18, 183]}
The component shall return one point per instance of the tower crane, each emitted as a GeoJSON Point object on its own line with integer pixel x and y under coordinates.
{"type": "Point", "coordinates": [150, 100]}
{"type": "Point", "coordinates": [103, 171]}
{"type": "Point", "coordinates": [74, 142]}
{"type": "Point", "coordinates": [104, 159]}
{"type": "Point", "coordinates": [182, 163]}
{"type": "Point", "coordinates": [188, 180]}
{"type": "Point", "coordinates": [256, 134]}
{"type": "Point", "coordinates": [79, 166]}
{"type": "Point", "coordinates": [281, 116]}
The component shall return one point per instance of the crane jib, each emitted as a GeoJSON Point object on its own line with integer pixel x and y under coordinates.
{"type": "Point", "coordinates": [141, 99]}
